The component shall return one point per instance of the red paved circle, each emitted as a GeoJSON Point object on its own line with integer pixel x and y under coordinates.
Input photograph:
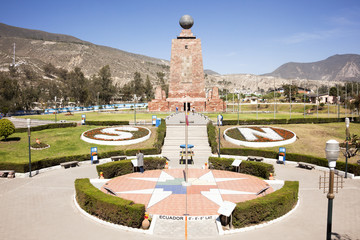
{"type": "Point", "coordinates": [162, 192]}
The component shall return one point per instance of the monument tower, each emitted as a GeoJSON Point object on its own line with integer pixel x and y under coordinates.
{"type": "Point", "coordinates": [187, 82]}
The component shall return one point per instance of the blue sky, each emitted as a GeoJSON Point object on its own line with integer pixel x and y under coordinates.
{"type": "Point", "coordinates": [238, 36]}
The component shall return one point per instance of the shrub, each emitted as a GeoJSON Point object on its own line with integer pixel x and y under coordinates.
{"type": "Point", "coordinates": [160, 136]}
{"type": "Point", "coordinates": [118, 168]}
{"type": "Point", "coordinates": [266, 208]}
{"type": "Point", "coordinates": [296, 157]}
{"type": "Point", "coordinates": [107, 207]}
{"type": "Point", "coordinates": [257, 169]}
{"type": "Point", "coordinates": [47, 126]}
{"type": "Point", "coordinates": [107, 123]}
{"type": "Point", "coordinates": [6, 128]}
{"type": "Point", "coordinates": [211, 131]}
{"type": "Point", "coordinates": [286, 121]}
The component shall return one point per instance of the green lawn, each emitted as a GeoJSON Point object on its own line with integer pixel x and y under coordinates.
{"type": "Point", "coordinates": [102, 116]}
{"type": "Point", "coordinates": [63, 142]}
{"type": "Point", "coordinates": [311, 138]}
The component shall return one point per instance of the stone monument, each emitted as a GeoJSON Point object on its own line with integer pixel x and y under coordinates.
{"type": "Point", "coordinates": [187, 82]}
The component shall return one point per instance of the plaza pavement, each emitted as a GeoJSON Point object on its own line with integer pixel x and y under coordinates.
{"type": "Point", "coordinates": [22, 122]}
{"type": "Point", "coordinates": [42, 207]}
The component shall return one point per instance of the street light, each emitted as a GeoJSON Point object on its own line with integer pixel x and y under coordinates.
{"type": "Point", "coordinates": [219, 122]}
{"type": "Point", "coordinates": [28, 125]}
{"type": "Point", "coordinates": [135, 98]}
{"type": "Point", "coordinates": [347, 122]}
{"type": "Point", "coordinates": [332, 153]}
{"type": "Point", "coordinates": [55, 110]}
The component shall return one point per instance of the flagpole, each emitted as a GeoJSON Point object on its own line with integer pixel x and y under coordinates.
{"type": "Point", "coordinates": [186, 140]}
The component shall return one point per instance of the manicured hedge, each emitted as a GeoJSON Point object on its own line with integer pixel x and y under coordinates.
{"type": "Point", "coordinates": [296, 157]}
{"type": "Point", "coordinates": [258, 169]}
{"type": "Point", "coordinates": [107, 123]}
{"type": "Point", "coordinates": [107, 207]}
{"type": "Point", "coordinates": [44, 163]}
{"type": "Point", "coordinates": [211, 131]}
{"type": "Point", "coordinates": [47, 126]}
{"type": "Point", "coordinates": [286, 121]}
{"type": "Point", "coordinates": [118, 168]}
{"type": "Point", "coordinates": [266, 208]}
{"type": "Point", "coordinates": [161, 134]}
{"type": "Point", "coordinates": [50, 162]}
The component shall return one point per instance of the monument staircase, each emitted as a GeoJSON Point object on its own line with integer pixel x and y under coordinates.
{"type": "Point", "coordinates": [179, 119]}
{"type": "Point", "coordinates": [197, 136]}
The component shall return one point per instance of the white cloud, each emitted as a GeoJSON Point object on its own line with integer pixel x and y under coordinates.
{"type": "Point", "coordinates": [307, 36]}
{"type": "Point", "coordinates": [231, 54]}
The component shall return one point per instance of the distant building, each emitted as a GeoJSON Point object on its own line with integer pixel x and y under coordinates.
{"type": "Point", "coordinates": [323, 98]}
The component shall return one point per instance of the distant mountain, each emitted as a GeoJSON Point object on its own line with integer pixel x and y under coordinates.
{"type": "Point", "coordinates": [335, 68]}
{"type": "Point", "coordinates": [36, 48]}
{"type": "Point", "coordinates": [210, 72]}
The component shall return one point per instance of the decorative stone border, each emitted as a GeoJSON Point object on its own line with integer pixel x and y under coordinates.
{"type": "Point", "coordinates": [113, 225]}
{"type": "Point", "coordinates": [117, 143]}
{"type": "Point", "coordinates": [258, 226]}
{"type": "Point", "coordinates": [260, 144]}
{"type": "Point", "coordinates": [40, 148]}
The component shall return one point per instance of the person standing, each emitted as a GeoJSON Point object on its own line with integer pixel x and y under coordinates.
{"type": "Point", "coordinates": [140, 161]}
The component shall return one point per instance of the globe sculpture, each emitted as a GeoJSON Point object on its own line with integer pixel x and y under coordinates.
{"type": "Point", "coordinates": [186, 22]}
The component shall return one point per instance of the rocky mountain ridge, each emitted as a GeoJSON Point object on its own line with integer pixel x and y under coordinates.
{"type": "Point", "coordinates": [344, 67]}
{"type": "Point", "coordinates": [36, 48]}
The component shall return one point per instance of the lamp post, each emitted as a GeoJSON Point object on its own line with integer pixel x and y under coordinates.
{"type": "Point", "coordinates": [290, 96]}
{"type": "Point", "coordinates": [347, 122]}
{"type": "Point", "coordinates": [219, 122]}
{"type": "Point", "coordinates": [28, 125]}
{"type": "Point", "coordinates": [98, 101]}
{"type": "Point", "coordinates": [186, 141]}
{"type": "Point", "coordinates": [135, 109]}
{"type": "Point", "coordinates": [55, 110]}
{"type": "Point", "coordinates": [238, 95]}
{"type": "Point", "coordinates": [332, 153]}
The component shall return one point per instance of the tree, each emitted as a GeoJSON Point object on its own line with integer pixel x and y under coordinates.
{"type": "Point", "coordinates": [138, 84]}
{"type": "Point", "coordinates": [104, 84]}
{"type": "Point", "coordinates": [148, 89]}
{"type": "Point", "coordinates": [9, 93]}
{"type": "Point", "coordinates": [161, 81]}
{"type": "Point", "coordinates": [78, 86]}
{"type": "Point", "coordinates": [28, 96]}
{"type": "Point", "coordinates": [6, 128]}
{"type": "Point", "coordinates": [49, 70]}
{"type": "Point", "coordinates": [287, 87]}
{"type": "Point", "coordinates": [333, 91]}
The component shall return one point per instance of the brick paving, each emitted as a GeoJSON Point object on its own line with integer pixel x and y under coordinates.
{"type": "Point", "coordinates": [42, 208]}
{"type": "Point", "coordinates": [192, 200]}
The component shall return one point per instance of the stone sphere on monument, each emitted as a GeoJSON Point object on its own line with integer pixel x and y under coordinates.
{"type": "Point", "coordinates": [186, 21]}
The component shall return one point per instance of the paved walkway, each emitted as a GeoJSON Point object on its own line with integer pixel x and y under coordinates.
{"type": "Point", "coordinates": [22, 122]}
{"type": "Point", "coordinates": [162, 191]}
{"type": "Point", "coordinates": [197, 136]}
{"type": "Point", "coordinates": [42, 208]}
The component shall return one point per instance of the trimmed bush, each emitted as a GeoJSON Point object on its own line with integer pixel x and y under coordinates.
{"type": "Point", "coordinates": [211, 131]}
{"type": "Point", "coordinates": [266, 208]}
{"type": "Point", "coordinates": [107, 207]}
{"type": "Point", "coordinates": [47, 126]}
{"type": "Point", "coordinates": [107, 123]}
{"type": "Point", "coordinates": [257, 169]}
{"type": "Point", "coordinates": [286, 121]}
{"type": "Point", "coordinates": [119, 168]}
{"type": "Point", "coordinates": [160, 136]}
{"type": "Point", "coordinates": [296, 157]}
{"type": "Point", "coordinates": [6, 128]}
